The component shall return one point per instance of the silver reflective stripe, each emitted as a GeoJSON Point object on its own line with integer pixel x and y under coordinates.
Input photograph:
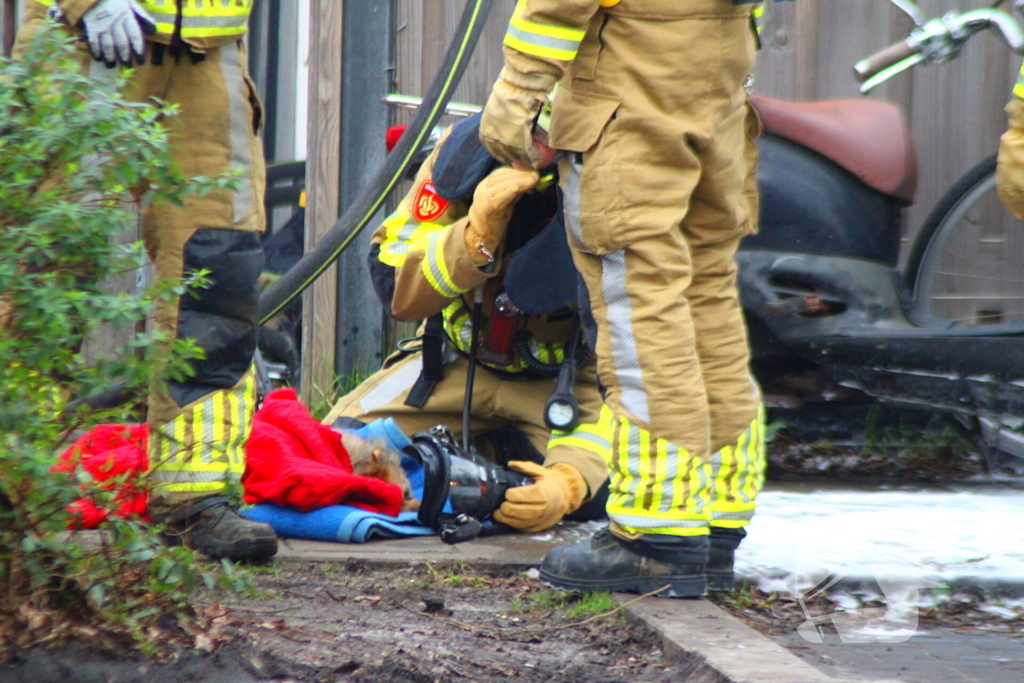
{"type": "Point", "coordinates": [656, 522]}
{"type": "Point", "coordinates": [744, 516]}
{"type": "Point", "coordinates": [669, 483]}
{"type": "Point", "coordinates": [392, 387]}
{"type": "Point", "coordinates": [571, 196]}
{"type": "Point", "coordinates": [620, 327]}
{"type": "Point", "coordinates": [700, 503]}
{"type": "Point", "coordinates": [434, 253]}
{"type": "Point", "coordinates": [599, 441]}
{"type": "Point", "coordinates": [162, 18]}
{"type": "Point", "coordinates": [241, 128]}
{"type": "Point", "coordinates": [191, 22]}
{"type": "Point", "coordinates": [207, 411]}
{"type": "Point", "coordinates": [633, 463]}
{"type": "Point", "coordinates": [743, 465]}
{"type": "Point", "coordinates": [172, 477]}
{"type": "Point", "coordinates": [539, 40]}
{"type": "Point", "coordinates": [238, 432]}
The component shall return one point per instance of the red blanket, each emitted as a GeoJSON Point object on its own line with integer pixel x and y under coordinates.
{"type": "Point", "coordinates": [291, 460]}
{"type": "Point", "coordinates": [109, 452]}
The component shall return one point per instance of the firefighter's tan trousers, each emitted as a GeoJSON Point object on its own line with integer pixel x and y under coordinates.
{"type": "Point", "coordinates": [656, 202]}
{"type": "Point", "coordinates": [497, 402]}
{"type": "Point", "coordinates": [198, 427]}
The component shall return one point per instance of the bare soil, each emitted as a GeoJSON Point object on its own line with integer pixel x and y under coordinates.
{"type": "Point", "coordinates": [415, 624]}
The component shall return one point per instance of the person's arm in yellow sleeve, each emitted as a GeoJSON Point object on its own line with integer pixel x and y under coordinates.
{"type": "Point", "coordinates": [1010, 165]}
{"type": "Point", "coordinates": [542, 39]}
{"type": "Point", "coordinates": [437, 260]}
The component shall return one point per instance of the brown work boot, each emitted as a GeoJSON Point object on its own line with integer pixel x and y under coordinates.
{"type": "Point", "coordinates": [213, 527]}
{"type": "Point", "coordinates": [609, 563]}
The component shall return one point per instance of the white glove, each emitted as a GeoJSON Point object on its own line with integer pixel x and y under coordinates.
{"type": "Point", "coordinates": [114, 30]}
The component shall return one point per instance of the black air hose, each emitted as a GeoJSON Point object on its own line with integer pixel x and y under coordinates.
{"type": "Point", "coordinates": [373, 196]}
{"type": "Point", "coordinates": [522, 346]}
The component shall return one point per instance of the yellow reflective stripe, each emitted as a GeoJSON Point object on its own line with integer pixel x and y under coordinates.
{"type": "Point", "coordinates": [542, 40]}
{"type": "Point", "coordinates": [738, 472]}
{"type": "Point", "coordinates": [658, 474]}
{"type": "Point", "coordinates": [655, 486]}
{"type": "Point", "coordinates": [194, 487]}
{"type": "Point", "coordinates": [188, 32]}
{"type": "Point", "coordinates": [206, 474]}
{"type": "Point", "coordinates": [435, 270]}
{"type": "Point", "coordinates": [758, 11]}
{"type": "Point", "coordinates": [1018, 89]}
{"type": "Point", "coordinates": [644, 470]}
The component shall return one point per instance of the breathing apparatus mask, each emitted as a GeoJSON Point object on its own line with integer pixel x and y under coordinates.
{"type": "Point", "coordinates": [460, 488]}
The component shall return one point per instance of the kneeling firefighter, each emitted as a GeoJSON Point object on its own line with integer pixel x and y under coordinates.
{"type": "Point", "coordinates": [472, 231]}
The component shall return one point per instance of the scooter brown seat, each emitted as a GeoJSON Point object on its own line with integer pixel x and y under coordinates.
{"type": "Point", "coordinates": [866, 137]}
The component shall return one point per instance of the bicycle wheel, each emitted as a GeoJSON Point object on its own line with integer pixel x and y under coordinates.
{"type": "Point", "coordinates": [967, 264]}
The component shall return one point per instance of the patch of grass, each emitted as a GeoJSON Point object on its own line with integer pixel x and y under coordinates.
{"type": "Point", "coordinates": [591, 603]}
{"type": "Point", "coordinates": [455, 575]}
{"type": "Point", "coordinates": [575, 604]}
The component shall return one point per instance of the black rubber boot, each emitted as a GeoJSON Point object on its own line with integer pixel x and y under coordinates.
{"type": "Point", "coordinates": [608, 563]}
{"type": "Point", "coordinates": [721, 556]}
{"type": "Point", "coordinates": [214, 528]}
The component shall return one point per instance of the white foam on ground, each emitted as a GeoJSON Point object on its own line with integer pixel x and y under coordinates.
{"type": "Point", "coordinates": [904, 539]}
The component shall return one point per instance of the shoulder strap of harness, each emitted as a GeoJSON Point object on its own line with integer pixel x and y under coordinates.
{"type": "Point", "coordinates": [433, 362]}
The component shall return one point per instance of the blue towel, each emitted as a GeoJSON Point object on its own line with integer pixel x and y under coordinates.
{"type": "Point", "coordinates": [344, 523]}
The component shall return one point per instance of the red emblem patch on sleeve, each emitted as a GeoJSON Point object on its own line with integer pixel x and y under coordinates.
{"type": "Point", "coordinates": [427, 205]}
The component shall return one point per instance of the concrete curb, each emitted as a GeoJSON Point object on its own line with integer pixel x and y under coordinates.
{"type": "Point", "coordinates": [713, 646]}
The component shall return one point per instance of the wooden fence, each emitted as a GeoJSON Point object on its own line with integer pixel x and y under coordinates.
{"type": "Point", "coordinates": [955, 110]}
{"type": "Point", "coordinates": [8, 25]}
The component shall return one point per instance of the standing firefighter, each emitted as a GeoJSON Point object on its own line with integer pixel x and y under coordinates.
{"type": "Point", "coordinates": [190, 53]}
{"type": "Point", "coordinates": [652, 115]}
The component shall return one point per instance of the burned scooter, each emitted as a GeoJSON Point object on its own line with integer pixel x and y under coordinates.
{"type": "Point", "coordinates": [826, 307]}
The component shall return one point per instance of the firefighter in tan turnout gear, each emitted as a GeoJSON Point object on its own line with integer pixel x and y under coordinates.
{"type": "Point", "coordinates": [427, 260]}
{"type": "Point", "coordinates": [189, 53]}
{"type": "Point", "coordinates": [652, 117]}
{"type": "Point", "coordinates": [1010, 165]}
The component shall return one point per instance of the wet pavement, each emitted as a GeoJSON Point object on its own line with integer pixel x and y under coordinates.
{"type": "Point", "coordinates": [932, 656]}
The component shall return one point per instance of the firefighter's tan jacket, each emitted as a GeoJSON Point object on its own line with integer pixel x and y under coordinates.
{"type": "Point", "coordinates": [424, 241]}
{"type": "Point", "coordinates": [204, 23]}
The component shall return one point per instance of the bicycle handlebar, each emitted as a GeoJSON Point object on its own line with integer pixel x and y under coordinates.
{"type": "Point", "coordinates": [938, 41]}
{"type": "Point", "coordinates": [882, 60]}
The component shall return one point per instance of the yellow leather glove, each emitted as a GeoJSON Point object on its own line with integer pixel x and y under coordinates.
{"type": "Point", "coordinates": [506, 127]}
{"type": "Point", "coordinates": [493, 201]}
{"type": "Point", "coordinates": [1010, 165]}
{"type": "Point", "coordinates": [557, 491]}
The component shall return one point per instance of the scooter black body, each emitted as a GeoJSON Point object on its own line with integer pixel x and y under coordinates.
{"type": "Point", "coordinates": [825, 305]}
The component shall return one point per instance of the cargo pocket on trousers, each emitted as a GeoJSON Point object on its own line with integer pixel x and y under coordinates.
{"type": "Point", "coordinates": [754, 128]}
{"type": "Point", "coordinates": [578, 123]}
{"type": "Point", "coordinates": [254, 104]}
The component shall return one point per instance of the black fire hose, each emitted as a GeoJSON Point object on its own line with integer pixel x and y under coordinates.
{"type": "Point", "coordinates": [373, 196]}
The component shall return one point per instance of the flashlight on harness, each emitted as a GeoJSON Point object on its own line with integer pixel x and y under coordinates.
{"type": "Point", "coordinates": [562, 410]}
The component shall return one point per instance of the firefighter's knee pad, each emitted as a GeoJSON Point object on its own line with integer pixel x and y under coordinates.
{"type": "Point", "coordinates": [222, 318]}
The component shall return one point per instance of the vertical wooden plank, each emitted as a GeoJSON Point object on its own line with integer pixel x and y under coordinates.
{"type": "Point", "coordinates": [8, 25]}
{"type": "Point", "coordinates": [322, 176]}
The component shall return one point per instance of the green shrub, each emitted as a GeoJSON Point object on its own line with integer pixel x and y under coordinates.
{"type": "Point", "coordinates": [69, 154]}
